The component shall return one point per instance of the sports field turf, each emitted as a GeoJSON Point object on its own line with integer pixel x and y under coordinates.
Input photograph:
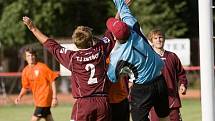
{"type": "Point", "coordinates": [191, 111]}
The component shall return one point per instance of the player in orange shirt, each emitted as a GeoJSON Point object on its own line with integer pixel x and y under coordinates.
{"type": "Point", "coordinates": [38, 78]}
{"type": "Point", "coordinates": [118, 98]}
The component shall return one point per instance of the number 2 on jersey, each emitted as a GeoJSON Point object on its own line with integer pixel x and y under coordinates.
{"type": "Point", "coordinates": [91, 68]}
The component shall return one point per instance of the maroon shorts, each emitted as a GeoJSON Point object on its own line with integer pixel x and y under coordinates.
{"type": "Point", "coordinates": [174, 115]}
{"type": "Point", "coordinates": [91, 109]}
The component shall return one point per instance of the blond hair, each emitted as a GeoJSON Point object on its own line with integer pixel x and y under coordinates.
{"type": "Point", "coordinates": [154, 32]}
{"type": "Point", "coordinates": [82, 37]}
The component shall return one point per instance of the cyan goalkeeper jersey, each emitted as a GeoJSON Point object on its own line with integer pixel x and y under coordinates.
{"type": "Point", "coordinates": [135, 57]}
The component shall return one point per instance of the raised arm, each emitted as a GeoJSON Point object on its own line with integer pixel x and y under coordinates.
{"type": "Point", "coordinates": [124, 12]}
{"type": "Point", "coordinates": [128, 3]}
{"type": "Point", "coordinates": [37, 33]}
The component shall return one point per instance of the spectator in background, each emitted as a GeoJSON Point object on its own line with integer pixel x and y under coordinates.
{"type": "Point", "coordinates": [118, 97]}
{"type": "Point", "coordinates": [38, 78]}
{"type": "Point", "coordinates": [173, 73]}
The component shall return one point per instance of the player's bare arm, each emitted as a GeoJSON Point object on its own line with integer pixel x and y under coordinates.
{"type": "Point", "coordinates": [54, 96]}
{"type": "Point", "coordinates": [21, 94]}
{"type": "Point", "coordinates": [37, 33]}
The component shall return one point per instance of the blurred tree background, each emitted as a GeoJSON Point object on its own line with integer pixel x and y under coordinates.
{"type": "Point", "coordinates": [58, 18]}
{"type": "Point", "coordinates": [176, 17]}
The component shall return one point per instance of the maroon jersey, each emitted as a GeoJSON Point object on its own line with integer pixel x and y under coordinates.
{"type": "Point", "coordinates": [87, 66]}
{"type": "Point", "coordinates": [174, 75]}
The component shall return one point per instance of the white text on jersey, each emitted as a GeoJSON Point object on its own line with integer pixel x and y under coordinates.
{"type": "Point", "coordinates": [89, 58]}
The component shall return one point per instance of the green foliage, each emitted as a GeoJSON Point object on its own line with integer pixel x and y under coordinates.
{"type": "Point", "coordinates": [59, 18]}
{"type": "Point", "coordinates": [92, 13]}
{"type": "Point", "coordinates": [191, 110]}
{"type": "Point", "coordinates": [12, 30]}
{"type": "Point", "coordinates": [166, 14]}
{"type": "Point", "coordinates": [53, 17]}
{"type": "Point", "coordinates": [9, 30]}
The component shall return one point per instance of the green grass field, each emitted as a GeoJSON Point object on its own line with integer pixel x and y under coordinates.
{"type": "Point", "coordinates": [191, 111]}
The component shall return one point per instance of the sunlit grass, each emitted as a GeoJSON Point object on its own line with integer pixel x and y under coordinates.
{"type": "Point", "coordinates": [191, 111]}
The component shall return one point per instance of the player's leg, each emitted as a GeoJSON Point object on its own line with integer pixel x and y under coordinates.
{"type": "Point", "coordinates": [141, 101]}
{"type": "Point", "coordinates": [120, 111]}
{"type": "Point", "coordinates": [175, 114]}
{"type": "Point", "coordinates": [81, 110]}
{"type": "Point", "coordinates": [165, 118]}
{"type": "Point", "coordinates": [103, 112]}
{"type": "Point", "coordinates": [42, 112]}
{"type": "Point", "coordinates": [161, 102]}
{"type": "Point", "coordinates": [35, 118]}
{"type": "Point", "coordinates": [91, 109]}
{"type": "Point", "coordinates": [49, 118]}
{"type": "Point", "coordinates": [153, 116]}
{"type": "Point", "coordinates": [37, 114]}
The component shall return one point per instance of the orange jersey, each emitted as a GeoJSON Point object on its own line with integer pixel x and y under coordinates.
{"type": "Point", "coordinates": [118, 91]}
{"type": "Point", "coordinates": [38, 79]}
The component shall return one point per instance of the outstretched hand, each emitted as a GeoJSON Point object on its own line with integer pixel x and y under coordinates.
{"type": "Point", "coordinates": [37, 33]}
{"type": "Point", "coordinates": [27, 21]}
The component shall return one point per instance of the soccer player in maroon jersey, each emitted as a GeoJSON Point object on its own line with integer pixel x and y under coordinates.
{"type": "Point", "coordinates": [88, 70]}
{"type": "Point", "coordinates": [173, 73]}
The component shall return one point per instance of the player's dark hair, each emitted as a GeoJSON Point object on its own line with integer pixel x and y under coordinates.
{"type": "Point", "coordinates": [29, 50]}
{"type": "Point", "coordinates": [82, 37]}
